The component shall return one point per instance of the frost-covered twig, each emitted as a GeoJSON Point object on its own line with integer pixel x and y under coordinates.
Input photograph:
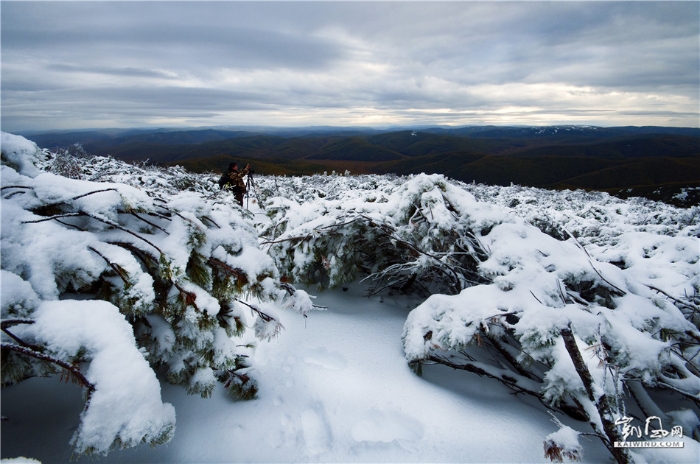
{"type": "Point", "coordinates": [590, 260]}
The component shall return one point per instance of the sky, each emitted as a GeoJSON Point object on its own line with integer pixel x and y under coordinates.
{"type": "Point", "coordinates": [77, 64]}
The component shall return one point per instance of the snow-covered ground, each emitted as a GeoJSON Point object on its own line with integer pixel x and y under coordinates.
{"type": "Point", "coordinates": [333, 388]}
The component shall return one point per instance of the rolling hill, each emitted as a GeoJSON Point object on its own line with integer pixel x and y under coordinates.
{"type": "Point", "coordinates": [657, 162]}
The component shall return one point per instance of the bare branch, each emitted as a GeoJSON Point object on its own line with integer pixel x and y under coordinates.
{"type": "Point", "coordinates": [51, 218]}
{"type": "Point", "coordinates": [109, 223]}
{"type": "Point", "coordinates": [150, 223]}
{"type": "Point", "coordinates": [96, 191]}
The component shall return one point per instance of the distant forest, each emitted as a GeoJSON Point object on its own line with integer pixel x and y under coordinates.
{"type": "Point", "coordinates": [655, 162]}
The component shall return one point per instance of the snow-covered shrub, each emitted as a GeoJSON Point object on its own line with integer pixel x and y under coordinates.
{"type": "Point", "coordinates": [420, 233]}
{"type": "Point", "coordinates": [588, 303]}
{"type": "Point", "coordinates": [172, 267]}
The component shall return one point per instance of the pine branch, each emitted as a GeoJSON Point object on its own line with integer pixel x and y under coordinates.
{"type": "Point", "coordinates": [120, 272]}
{"type": "Point", "coordinates": [6, 324]}
{"type": "Point", "coordinates": [289, 288]}
{"type": "Point", "coordinates": [693, 397]}
{"type": "Point", "coordinates": [512, 360]}
{"type": "Point", "coordinates": [646, 404]}
{"type": "Point", "coordinates": [16, 187]}
{"type": "Point", "coordinates": [210, 220]}
{"type": "Point", "coordinates": [511, 380]}
{"type": "Point", "coordinates": [109, 223]}
{"type": "Point", "coordinates": [601, 404]}
{"type": "Point", "coordinates": [590, 261]}
{"type": "Point", "coordinates": [507, 377]}
{"type": "Point", "coordinates": [675, 300]}
{"type": "Point", "coordinates": [51, 218]}
{"type": "Point", "coordinates": [238, 273]}
{"type": "Point", "coordinates": [96, 191]}
{"type": "Point", "coordinates": [262, 315]}
{"type": "Point", "coordinates": [74, 371]}
{"type": "Point", "coordinates": [150, 223]}
{"type": "Point", "coordinates": [70, 225]}
{"type": "Point", "coordinates": [124, 229]}
{"type": "Point", "coordinates": [290, 239]}
{"type": "Point", "coordinates": [189, 297]}
{"type": "Point", "coordinates": [388, 231]}
{"type": "Point", "coordinates": [151, 262]}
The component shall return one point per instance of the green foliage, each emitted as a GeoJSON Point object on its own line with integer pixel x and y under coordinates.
{"type": "Point", "coordinates": [198, 271]}
{"type": "Point", "coordinates": [239, 385]}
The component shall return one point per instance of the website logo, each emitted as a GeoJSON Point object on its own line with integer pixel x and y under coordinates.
{"type": "Point", "coordinates": [653, 428]}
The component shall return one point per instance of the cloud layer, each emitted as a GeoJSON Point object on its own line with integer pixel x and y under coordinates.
{"type": "Point", "coordinates": [127, 64]}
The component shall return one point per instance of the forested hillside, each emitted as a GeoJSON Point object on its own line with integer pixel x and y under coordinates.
{"type": "Point", "coordinates": [656, 162]}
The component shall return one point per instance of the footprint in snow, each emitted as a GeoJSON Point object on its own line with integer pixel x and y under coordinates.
{"type": "Point", "coordinates": [385, 427]}
{"type": "Point", "coordinates": [317, 435]}
{"type": "Point", "coordinates": [327, 360]}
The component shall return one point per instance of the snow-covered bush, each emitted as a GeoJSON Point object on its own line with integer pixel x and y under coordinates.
{"type": "Point", "coordinates": [173, 261]}
{"type": "Point", "coordinates": [588, 303]}
{"type": "Point", "coordinates": [406, 234]}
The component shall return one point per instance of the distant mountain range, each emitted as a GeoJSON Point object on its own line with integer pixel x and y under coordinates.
{"type": "Point", "coordinates": [657, 162]}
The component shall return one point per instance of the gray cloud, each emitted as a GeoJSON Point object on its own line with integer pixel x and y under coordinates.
{"type": "Point", "coordinates": [292, 63]}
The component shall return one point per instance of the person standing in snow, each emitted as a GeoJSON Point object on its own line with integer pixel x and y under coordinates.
{"type": "Point", "coordinates": [233, 180]}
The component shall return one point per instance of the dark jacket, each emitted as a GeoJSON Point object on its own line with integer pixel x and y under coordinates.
{"type": "Point", "coordinates": [233, 180]}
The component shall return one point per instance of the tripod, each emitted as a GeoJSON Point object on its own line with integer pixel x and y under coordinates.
{"type": "Point", "coordinates": [250, 183]}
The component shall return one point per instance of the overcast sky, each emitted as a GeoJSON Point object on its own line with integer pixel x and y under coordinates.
{"type": "Point", "coordinates": [69, 65]}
